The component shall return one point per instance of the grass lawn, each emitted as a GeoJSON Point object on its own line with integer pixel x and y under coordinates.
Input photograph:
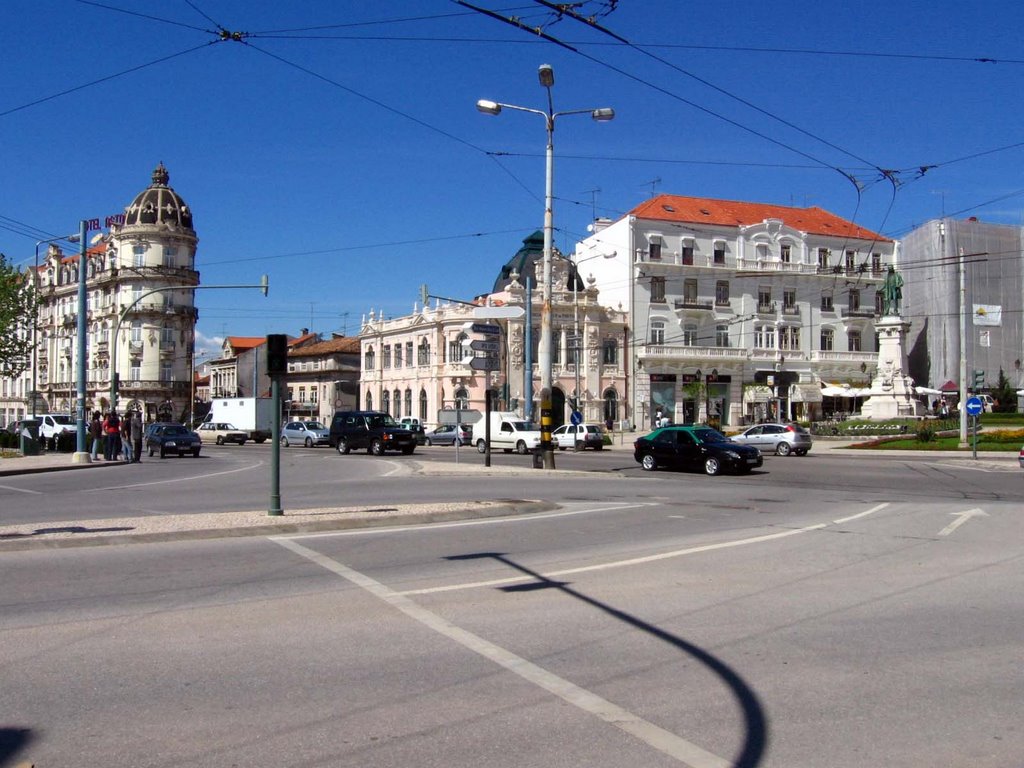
{"type": "Point", "coordinates": [1009, 440]}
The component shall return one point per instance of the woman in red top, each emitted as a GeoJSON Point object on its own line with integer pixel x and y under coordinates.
{"type": "Point", "coordinates": [112, 429]}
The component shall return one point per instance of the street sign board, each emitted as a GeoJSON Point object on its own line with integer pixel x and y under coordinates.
{"type": "Point", "coordinates": [485, 328]}
{"type": "Point", "coordinates": [495, 313]}
{"type": "Point", "coordinates": [974, 406]}
{"type": "Point", "coordinates": [484, 363]}
{"type": "Point", "coordinates": [480, 345]}
{"type": "Point", "coordinates": [576, 418]}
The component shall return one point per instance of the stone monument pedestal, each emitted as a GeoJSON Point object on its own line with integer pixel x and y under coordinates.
{"type": "Point", "coordinates": [892, 391]}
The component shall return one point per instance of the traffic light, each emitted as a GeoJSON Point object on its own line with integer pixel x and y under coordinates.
{"type": "Point", "coordinates": [424, 295]}
{"type": "Point", "coordinates": [979, 379]}
{"type": "Point", "coordinates": [277, 354]}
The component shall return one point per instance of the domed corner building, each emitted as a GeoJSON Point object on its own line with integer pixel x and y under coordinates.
{"type": "Point", "coordinates": [154, 249]}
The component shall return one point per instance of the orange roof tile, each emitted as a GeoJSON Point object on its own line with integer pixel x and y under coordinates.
{"type": "Point", "coordinates": [245, 342]}
{"type": "Point", "coordinates": [340, 345]}
{"type": "Point", "coordinates": [734, 213]}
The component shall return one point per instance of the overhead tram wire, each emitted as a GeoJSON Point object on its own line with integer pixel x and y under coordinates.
{"type": "Point", "coordinates": [150, 17]}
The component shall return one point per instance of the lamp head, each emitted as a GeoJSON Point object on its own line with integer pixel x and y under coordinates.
{"type": "Point", "coordinates": [488, 107]}
{"type": "Point", "coordinates": [603, 114]}
{"type": "Point", "coordinates": [546, 75]}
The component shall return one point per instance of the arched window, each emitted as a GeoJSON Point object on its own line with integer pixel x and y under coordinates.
{"type": "Point", "coordinates": [458, 348]}
{"type": "Point", "coordinates": [611, 406]}
{"type": "Point", "coordinates": [396, 404]}
{"type": "Point", "coordinates": [690, 335]}
{"type": "Point", "coordinates": [369, 359]}
{"type": "Point", "coordinates": [136, 336]}
{"type": "Point", "coordinates": [423, 353]}
{"type": "Point", "coordinates": [385, 402]}
{"type": "Point", "coordinates": [657, 332]}
{"type": "Point", "coordinates": [828, 340]}
{"type": "Point", "coordinates": [423, 405]}
{"type": "Point", "coordinates": [408, 402]}
{"type": "Point", "coordinates": [369, 400]}
{"type": "Point", "coordinates": [462, 398]}
{"type": "Point", "coordinates": [764, 337]}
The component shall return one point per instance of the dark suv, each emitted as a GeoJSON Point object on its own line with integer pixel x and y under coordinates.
{"type": "Point", "coordinates": [375, 431]}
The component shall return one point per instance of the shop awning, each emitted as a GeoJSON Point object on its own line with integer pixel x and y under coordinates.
{"type": "Point", "coordinates": [806, 393]}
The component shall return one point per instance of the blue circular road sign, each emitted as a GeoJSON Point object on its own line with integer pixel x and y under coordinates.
{"type": "Point", "coordinates": [974, 406]}
{"type": "Point", "coordinates": [577, 418]}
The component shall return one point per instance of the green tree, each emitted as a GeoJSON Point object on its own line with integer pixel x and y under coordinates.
{"type": "Point", "coordinates": [1005, 395]}
{"type": "Point", "coordinates": [18, 303]}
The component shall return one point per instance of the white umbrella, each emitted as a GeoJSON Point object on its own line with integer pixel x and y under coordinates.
{"type": "Point", "coordinates": [927, 391]}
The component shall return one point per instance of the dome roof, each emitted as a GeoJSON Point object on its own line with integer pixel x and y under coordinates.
{"type": "Point", "coordinates": [159, 204]}
{"type": "Point", "coordinates": [528, 261]}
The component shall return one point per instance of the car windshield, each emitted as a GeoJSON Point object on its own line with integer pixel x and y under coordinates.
{"type": "Point", "coordinates": [175, 431]}
{"type": "Point", "coordinates": [708, 435]}
{"type": "Point", "coordinates": [522, 426]}
{"type": "Point", "coordinates": [314, 425]}
{"type": "Point", "coordinates": [63, 420]}
{"type": "Point", "coordinates": [381, 420]}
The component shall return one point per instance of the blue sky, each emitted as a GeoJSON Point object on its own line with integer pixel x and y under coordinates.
{"type": "Point", "coordinates": [337, 147]}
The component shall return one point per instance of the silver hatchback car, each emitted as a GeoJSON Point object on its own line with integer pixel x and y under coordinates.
{"type": "Point", "coordinates": [782, 439]}
{"type": "Point", "coordinates": [307, 433]}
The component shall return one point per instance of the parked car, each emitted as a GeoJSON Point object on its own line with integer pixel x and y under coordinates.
{"type": "Point", "coordinates": [578, 437]}
{"type": "Point", "coordinates": [782, 439]}
{"type": "Point", "coordinates": [446, 434]}
{"type": "Point", "coordinates": [694, 447]}
{"type": "Point", "coordinates": [307, 433]}
{"type": "Point", "coordinates": [166, 437]}
{"type": "Point", "coordinates": [222, 432]}
{"type": "Point", "coordinates": [414, 426]}
{"type": "Point", "coordinates": [375, 431]}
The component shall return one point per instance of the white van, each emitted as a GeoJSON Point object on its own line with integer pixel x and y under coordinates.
{"type": "Point", "coordinates": [509, 432]}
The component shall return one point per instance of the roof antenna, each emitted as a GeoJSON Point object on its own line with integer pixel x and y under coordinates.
{"type": "Point", "coordinates": [593, 202]}
{"type": "Point", "coordinates": [654, 183]}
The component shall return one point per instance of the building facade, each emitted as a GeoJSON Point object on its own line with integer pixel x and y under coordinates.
{"type": "Point", "coordinates": [140, 313]}
{"type": "Point", "coordinates": [434, 359]}
{"type": "Point", "coordinates": [323, 376]}
{"type": "Point", "coordinates": [739, 311]}
{"type": "Point", "coordinates": [993, 286]}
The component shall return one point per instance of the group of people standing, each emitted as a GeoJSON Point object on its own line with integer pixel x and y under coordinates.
{"type": "Point", "coordinates": [121, 438]}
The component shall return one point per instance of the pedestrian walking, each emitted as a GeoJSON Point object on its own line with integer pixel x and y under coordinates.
{"type": "Point", "coordinates": [112, 434]}
{"type": "Point", "coordinates": [137, 437]}
{"type": "Point", "coordinates": [95, 434]}
{"type": "Point", "coordinates": [126, 437]}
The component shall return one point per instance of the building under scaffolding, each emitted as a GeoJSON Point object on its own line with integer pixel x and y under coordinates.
{"type": "Point", "coordinates": [994, 298]}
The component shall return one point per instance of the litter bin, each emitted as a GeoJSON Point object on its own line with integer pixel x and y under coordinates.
{"type": "Point", "coordinates": [30, 437]}
{"type": "Point", "coordinates": [538, 458]}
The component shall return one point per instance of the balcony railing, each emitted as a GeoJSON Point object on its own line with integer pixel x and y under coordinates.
{"type": "Point", "coordinates": [692, 303]}
{"type": "Point", "coordinates": [682, 352]}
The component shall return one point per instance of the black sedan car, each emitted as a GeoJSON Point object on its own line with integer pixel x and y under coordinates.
{"type": "Point", "coordinates": [165, 438]}
{"type": "Point", "coordinates": [694, 447]}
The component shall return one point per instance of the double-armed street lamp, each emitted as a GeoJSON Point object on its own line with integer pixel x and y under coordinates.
{"type": "Point", "coordinates": [546, 76]}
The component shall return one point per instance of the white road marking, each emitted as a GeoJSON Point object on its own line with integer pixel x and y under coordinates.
{"type": "Point", "coordinates": [190, 478]}
{"type": "Point", "coordinates": [865, 513]}
{"type": "Point", "coordinates": [961, 518]}
{"type": "Point", "coordinates": [18, 490]}
{"type": "Point", "coordinates": [666, 742]}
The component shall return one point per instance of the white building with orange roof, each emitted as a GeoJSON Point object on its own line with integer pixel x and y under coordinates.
{"type": "Point", "coordinates": [739, 311]}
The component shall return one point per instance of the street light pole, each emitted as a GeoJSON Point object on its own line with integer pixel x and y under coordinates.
{"type": "Point", "coordinates": [34, 394]}
{"type": "Point", "coordinates": [264, 286]}
{"type": "Point", "coordinates": [546, 75]}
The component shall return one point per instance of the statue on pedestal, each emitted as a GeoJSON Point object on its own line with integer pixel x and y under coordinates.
{"type": "Point", "coordinates": [892, 292]}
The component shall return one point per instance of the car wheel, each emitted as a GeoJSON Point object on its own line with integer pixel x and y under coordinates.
{"type": "Point", "coordinates": [377, 448]}
{"type": "Point", "coordinates": [481, 446]}
{"type": "Point", "coordinates": [343, 446]}
{"type": "Point", "coordinates": [580, 446]}
{"type": "Point", "coordinates": [712, 466]}
{"type": "Point", "coordinates": [220, 440]}
{"type": "Point", "coordinates": [408, 451]}
{"type": "Point", "coordinates": [783, 449]}
{"type": "Point", "coordinates": [599, 447]}
{"type": "Point", "coordinates": [429, 443]}
{"type": "Point", "coordinates": [285, 443]}
{"type": "Point", "coordinates": [309, 442]}
{"type": "Point", "coordinates": [241, 442]}
{"type": "Point", "coordinates": [163, 453]}
{"type": "Point", "coordinates": [521, 448]}
{"type": "Point", "coordinates": [801, 452]}
{"type": "Point", "coordinates": [648, 463]}
{"type": "Point", "coordinates": [195, 454]}
{"type": "Point", "coordinates": [151, 451]}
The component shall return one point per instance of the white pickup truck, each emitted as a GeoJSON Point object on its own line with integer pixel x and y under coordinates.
{"type": "Point", "coordinates": [508, 432]}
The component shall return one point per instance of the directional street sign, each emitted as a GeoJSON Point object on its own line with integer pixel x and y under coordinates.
{"type": "Point", "coordinates": [494, 313]}
{"type": "Point", "coordinates": [485, 328]}
{"type": "Point", "coordinates": [484, 363]}
{"type": "Point", "coordinates": [480, 345]}
{"type": "Point", "coordinates": [974, 406]}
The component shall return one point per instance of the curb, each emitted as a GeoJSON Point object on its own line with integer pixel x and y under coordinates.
{"type": "Point", "coordinates": [19, 542]}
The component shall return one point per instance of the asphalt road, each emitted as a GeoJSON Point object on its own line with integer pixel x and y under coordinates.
{"type": "Point", "coordinates": [828, 611]}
